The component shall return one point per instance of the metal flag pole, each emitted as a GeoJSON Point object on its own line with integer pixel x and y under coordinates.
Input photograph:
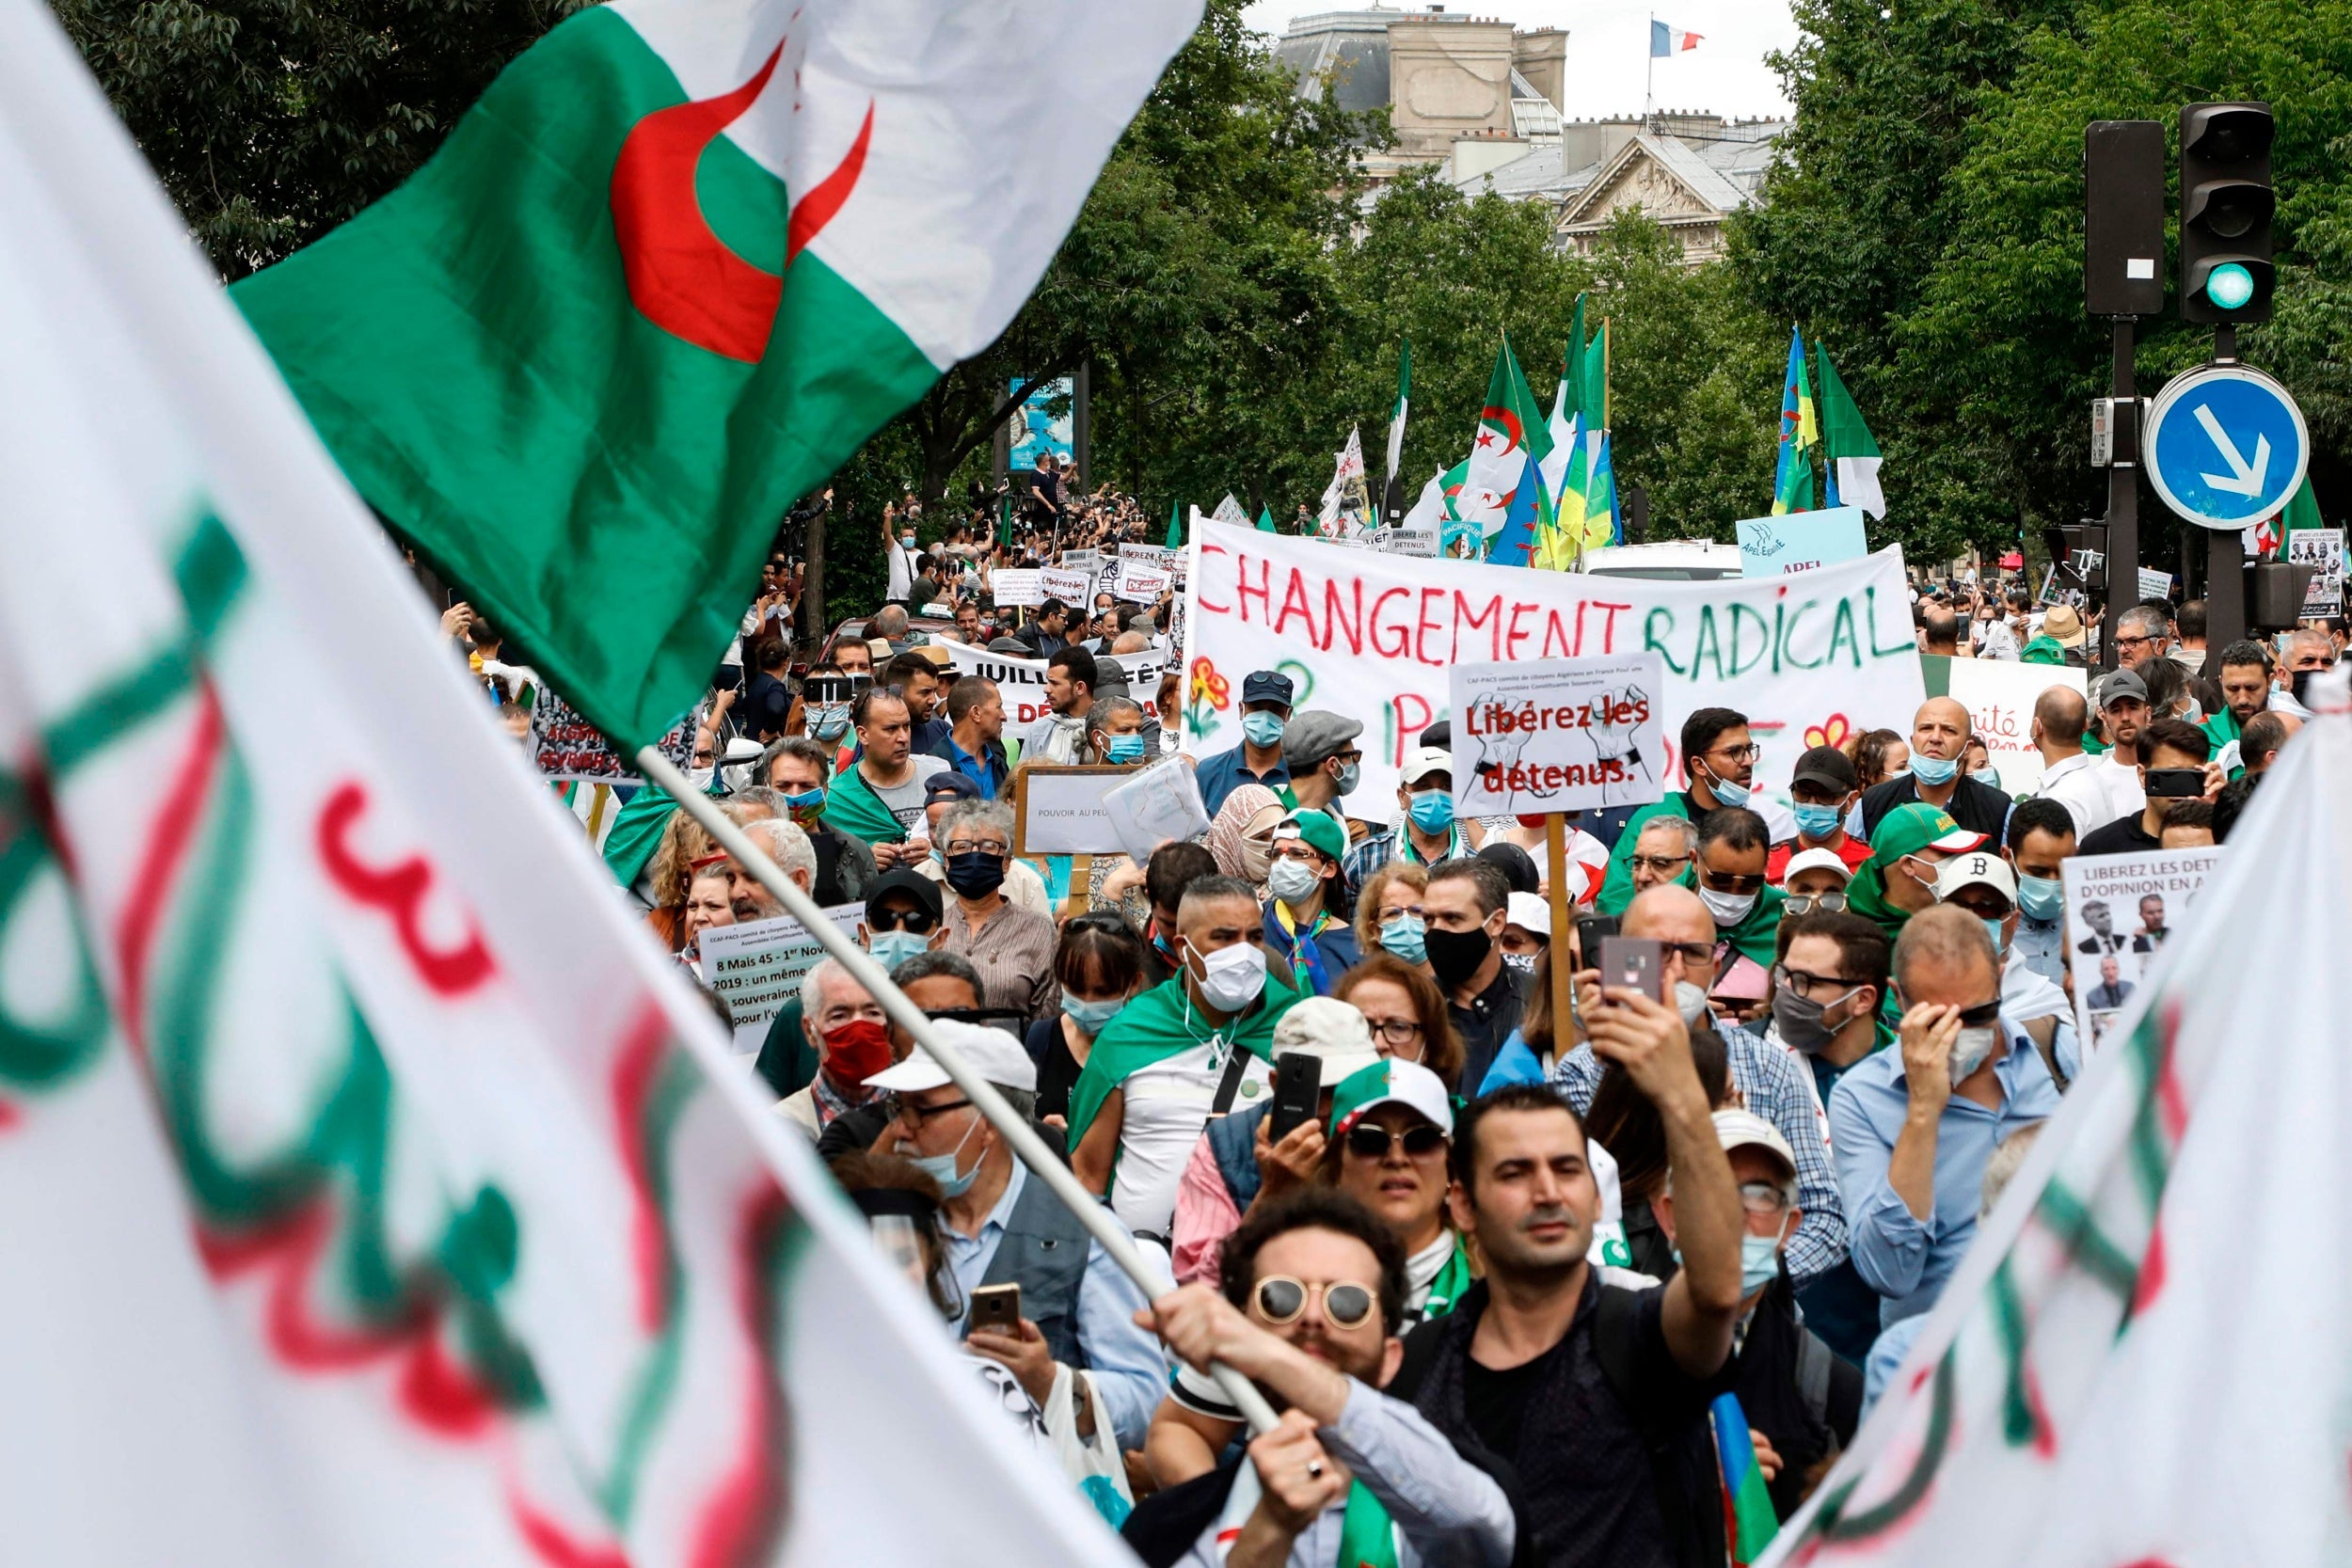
{"type": "Point", "coordinates": [1649, 67]}
{"type": "Point", "coordinates": [1011, 1126]}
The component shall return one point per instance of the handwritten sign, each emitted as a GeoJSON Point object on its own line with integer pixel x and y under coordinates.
{"type": "Point", "coordinates": [1558, 735]}
{"type": "Point", "coordinates": [565, 745]}
{"type": "Point", "coordinates": [758, 966]}
{"type": "Point", "coordinates": [1067, 586]}
{"type": "Point", "coordinates": [1018, 588]}
{"type": "Point", "coordinates": [1142, 584]}
{"type": "Point", "coordinates": [1158, 557]}
{"type": "Point", "coordinates": [1999, 695]}
{"type": "Point", "coordinates": [1800, 540]}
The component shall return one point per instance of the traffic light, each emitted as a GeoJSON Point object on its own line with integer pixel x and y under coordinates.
{"type": "Point", "coordinates": [2226, 209]}
{"type": "Point", "coordinates": [2124, 217]}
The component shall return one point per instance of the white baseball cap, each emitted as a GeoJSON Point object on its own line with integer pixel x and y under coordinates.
{"type": "Point", "coordinates": [1530, 913]}
{"type": "Point", "coordinates": [1331, 1030]}
{"type": "Point", "coordinates": [1422, 761]}
{"type": "Point", "coordinates": [1392, 1082]}
{"type": "Point", "coordinates": [1742, 1129]}
{"type": "Point", "coordinates": [993, 1054]}
{"type": "Point", "coordinates": [1979, 867]}
{"type": "Point", "coordinates": [1816, 860]}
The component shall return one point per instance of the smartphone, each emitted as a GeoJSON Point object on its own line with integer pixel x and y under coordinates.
{"type": "Point", "coordinates": [2176, 782]}
{"type": "Point", "coordinates": [996, 1308]}
{"type": "Point", "coordinates": [1297, 1093]}
{"type": "Point", "coordinates": [1591, 931]}
{"type": "Point", "coordinates": [1745, 981]}
{"type": "Point", "coordinates": [1637, 963]}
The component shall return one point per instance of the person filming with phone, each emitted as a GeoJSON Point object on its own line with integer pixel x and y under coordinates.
{"type": "Point", "coordinates": [2173, 766]}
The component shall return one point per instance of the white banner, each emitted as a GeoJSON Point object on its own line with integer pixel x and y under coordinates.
{"type": "Point", "coordinates": [1999, 695]}
{"type": "Point", "coordinates": [1558, 735]}
{"type": "Point", "coordinates": [1810, 659]}
{"type": "Point", "coordinates": [1021, 681]}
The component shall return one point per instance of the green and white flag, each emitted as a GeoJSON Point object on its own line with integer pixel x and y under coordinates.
{"type": "Point", "coordinates": [373, 1191]}
{"type": "Point", "coordinates": [2141, 1360]}
{"type": "Point", "coordinates": [1851, 452]}
{"type": "Point", "coordinates": [1392, 490]}
{"type": "Point", "coordinates": [678, 262]}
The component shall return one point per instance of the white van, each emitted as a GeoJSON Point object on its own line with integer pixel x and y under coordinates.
{"type": "Point", "coordinates": [1666, 561]}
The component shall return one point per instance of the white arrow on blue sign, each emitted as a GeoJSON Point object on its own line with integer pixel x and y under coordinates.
{"type": "Point", "coordinates": [2225, 446]}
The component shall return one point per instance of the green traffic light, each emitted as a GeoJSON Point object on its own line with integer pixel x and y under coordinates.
{"type": "Point", "coordinates": [2229, 286]}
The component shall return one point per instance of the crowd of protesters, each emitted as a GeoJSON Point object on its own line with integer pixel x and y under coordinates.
{"type": "Point", "coordinates": [1497, 1277]}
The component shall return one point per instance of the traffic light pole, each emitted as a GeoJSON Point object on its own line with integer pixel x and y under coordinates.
{"type": "Point", "coordinates": [2225, 554]}
{"type": "Point", "coordinates": [2123, 496]}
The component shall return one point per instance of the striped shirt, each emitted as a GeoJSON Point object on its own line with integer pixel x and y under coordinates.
{"type": "Point", "coordinates": [1014, 953]}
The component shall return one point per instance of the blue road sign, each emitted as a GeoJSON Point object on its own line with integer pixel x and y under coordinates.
{"type": "Point", "coordinates": [2225, 446]}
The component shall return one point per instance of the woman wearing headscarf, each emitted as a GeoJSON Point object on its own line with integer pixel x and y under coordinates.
{"type": "Point", "coordinates": [1242, 835]}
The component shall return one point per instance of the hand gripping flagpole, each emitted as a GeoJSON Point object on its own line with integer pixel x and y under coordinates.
{"type": "Point", "coordinates": [1009, 1124]}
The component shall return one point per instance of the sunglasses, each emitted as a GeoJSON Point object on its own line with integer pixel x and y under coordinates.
{"type": "Point", "coordinates": [1283, 1300]}
{"type": "Point", "coordinates": [1806, 903]}
{"type": "Point", "coordinates": [1732, 881]}
{"type": "Point", "coordinates": [1370, 1141]}
{"type": "Point", "coordinates": [917, 921]}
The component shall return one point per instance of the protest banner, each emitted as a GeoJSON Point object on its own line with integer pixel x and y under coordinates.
{"type": "Point", "coordinates": [1140, 584]}
{"type": "Point", "coordinates": [2121, 909]}
{"type": "Point", "coordinates": [1999, 695]}
{"type": "Point", "coordinates": [1157, 556]}
{"type": "Point", "coordinates": [566, 747]}
{"type": "Point", "coordinates": [1558, 735]}
{"type": "Point", "coordinates": [1021, 681]}
{"type": "Point", "coordinates": [1070, 587]}
{"type": "Point", "coordinates": [1810, 661]}
{"type": "Point", "coordinates": [1018, 590]}
{"type": "Point", "coordinates": [1407, 541]}
{"type": "Point", "coordinates": [1800, 540]}
{"type": "Point", "coordinates": [2155, 584]}
{"type": "Point", "coordinates": [2322, 547]}
{"type": "Point", "coordinates": [1059, 811]}
{"type": "Point", "coordinates": [1089, 562]}
{"type": "Point", "coordinates": [755, 967]}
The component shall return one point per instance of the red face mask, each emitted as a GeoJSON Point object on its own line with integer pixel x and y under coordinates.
{"type": "Point", "coordinates": [857, 1050]}
{"type": "Point", "coordinates": [1531, 821]}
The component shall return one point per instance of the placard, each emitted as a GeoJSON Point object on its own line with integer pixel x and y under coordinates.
{"type": "Point", "coordinates": [1407, 541]}
{"type": "Point", "coordinates": [1155, 805]}
{"type": "Point", "coordinates": [1800, 540]}
{"type": "Point", "coordinates": [1018, 590]}
{"type": "Point", "coordinates": [1558, 735]}
{"type": "Point", "coordinates": [1059, 811]}
{"type": "Point", "coordinates": [2322, 547]}
{"type": "Point", "coordinates": [2155, 584]}
{"type": "Point", "coordinates": [758, 966]}
{"type": "Point", "coordinates": [1021, 681]}
{"type": "Point", "coordinates": [2120, 911]}
{"type": "Point", "coordinates": [1071, 588]}
{"type": "Point", "coordinates": [564, 745]}
{"type": "Point", "coordinates": [1089, 562]}
{"type": "Point", "coordinates": [1157, 556]}
{"type": "Point", "coordinates": [1140, 584]}
{"type": "Point", "coordinates": [1999, 695]}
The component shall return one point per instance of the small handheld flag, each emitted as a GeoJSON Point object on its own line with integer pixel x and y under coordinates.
{"type": "Point", "coordinates": [1749, 1521]}
{"type": "Point", "coordinates": [1847, 443]}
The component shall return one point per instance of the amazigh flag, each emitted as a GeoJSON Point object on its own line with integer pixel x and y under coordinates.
{"type": "Point", "coordinates": [1847, 443]}
{"type": "Point", "coordinates": [1792, 476]}
{"type": "Point", "coordinates": [658, 284]}
{"type": "Point", "coordinates": [1749, 1520]}
{"type": "Point", "coordinates": [1600, 511]}
{"type": "Point", "coordinates": [1393, 492]}
{"type": "Point", "coordinates": [373, 1191]}
{"type": "Point", "coordinates": [2140, 1359]}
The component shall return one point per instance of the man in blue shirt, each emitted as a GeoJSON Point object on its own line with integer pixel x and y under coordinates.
{"type": "Point", "coordinates": [1912, 1129]}
{"type": "Point", "coordinates": [1265, 712]}
{"type": "Point", "coordinates": [974, 744]}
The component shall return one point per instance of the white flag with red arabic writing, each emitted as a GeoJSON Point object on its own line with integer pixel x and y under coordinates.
{"type": "Point", "coordinates": [371, 1191]}
{"type": "Point", "coordinates": [2143, 1363]}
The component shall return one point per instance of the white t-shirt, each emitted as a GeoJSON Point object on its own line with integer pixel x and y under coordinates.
{"type": "Point", "coordinates": [1167, 1104]}
{"type": "Point", "coordinates": [1998, 641]}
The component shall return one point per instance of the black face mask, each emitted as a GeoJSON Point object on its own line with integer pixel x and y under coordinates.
{"type": "Point", "coordinates": [1454, 956]}
{"type": "Point", "coordinates": [2300, 685]}
{"type": "Point", "coordinates": [975, 875]}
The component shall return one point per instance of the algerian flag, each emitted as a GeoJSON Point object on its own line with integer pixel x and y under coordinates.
{"type": "Point", "coordinates": [1792, 472]}
{"type": "Point", "coordinates": [1428, 511]}
{"type": "Point", "coordinates": [372, 1192]}
{"type": "Point", "coordinates": [1265, 519]}
{"type": "Point", "coordinates": [658, 284]}
{"type": "Point", "coordinates": [2140, 1358]}
{"type": "Point", "coordinates": [1846, 442]}
{"type": "Point", "coordinates": [1510, 430]}
{"type": "Point", "coordinates": [1392, 491]}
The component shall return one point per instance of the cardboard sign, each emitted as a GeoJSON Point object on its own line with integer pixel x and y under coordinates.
{"type": "Point", "coordinates": [1059, 811]}
{"type": "Point", "coordinates": [2322, 547]}
{"type": "Point", "coordinates": [565, 746]}
{"type": "Point", "coordinates": [1999, 695]}
{"type": "Point", "coordinates": [758, 966]}
{"type": "Point", "coordinates": [1071, 588]}
{"type": "Point", "coordinates": [2120, 911]}
{"type": "Point", "coordinates": [1018, 590]}
{"type": "Point", "coordinates": [1800, 540]}
{"type": "Point", "coordinates": [1139, 584]}
{"type": "Point", "coordinates": [1558, 735]}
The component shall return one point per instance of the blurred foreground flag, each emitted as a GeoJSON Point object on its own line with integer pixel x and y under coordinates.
{"type": "Point", "coordinates": [2142, 1361]}
{"type": "Point", "coordinates": [678, 262]}
{"type": "Point", "coordinates": [371, 1192]}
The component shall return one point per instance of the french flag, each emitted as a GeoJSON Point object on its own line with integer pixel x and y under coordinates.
{"type": "Point", "coordinates": [1665, 41]}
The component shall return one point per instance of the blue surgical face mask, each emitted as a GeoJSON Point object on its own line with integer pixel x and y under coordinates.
{"type": "Point", "coordinates": [1814, 821]}
{"type": "Point", "coordinates": [1263, 728]}
{"type": "Point", "coordinates": [829, 720]}
{"type": "Point", "coordinates": [1350, 773]}
{"type": "Point", "coordinates": [1433, 810]}
{"type": "Point", "coordinates": [2041, 897]}
{"type": "Point", "coordinates": [1933, 771]}
{"type": "Point", "coordinates": [942, 1167]}
{"type": "Point", "coordinates": [1760, 1262]}
{"type": "Point", "coordinates": [2000, 942]}
{"type": "Point", "coordinates": [1125, 748]}
{"type": "Point", "coordinates": [1090, 1016]}
{"type": "Point", "coordinates": [1401, 936]}
{"type": "Point", "coordinates": [892, 948]}
{"type": "Point", "coordinates": [1727, 792]}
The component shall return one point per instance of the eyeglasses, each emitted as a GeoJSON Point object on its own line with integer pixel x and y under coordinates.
{"type": "Point", "coordinates": [1283, 1300]}
{"type": "Point", "coordinates": [1371, 1141]}
{"type": "Point", "coordinates": [1660, 863]}
{"type": "Point", "coordinates": [1803, 985]}
{"type": "Point", "coordinates": [1398, 912]}
{"type": "Point", "coordinates": [1692, 953]}
{"type": "Point", "coordinates": [1296, 849]}
{"type": "Point", "coordinates": [1763, 1197]}
{"type": "Point", "coordinates": [902, 1109]}
{"type": "Point", "coordinates": [1740, 753]}
{"type": "Point", "coordinates": [1396, 1031]}
{"type": "Point", "coordinates": [918, 921]}
{"type": "Point", "coordinates": [976, 846]}
{"type": "Point", "coordinates": [1806, 903]}
{"type": "Point", "coordinates": [1732, 881]}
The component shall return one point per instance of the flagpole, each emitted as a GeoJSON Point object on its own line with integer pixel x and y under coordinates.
{"type": "Point", "coordinates": [1649, 67]}
{"type": "Point", "coordinates": [1011, 1126]}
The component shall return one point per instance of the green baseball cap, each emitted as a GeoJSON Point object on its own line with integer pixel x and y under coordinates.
{"type": "Point", "coordinates": [1318, 829]}
{"type": "Point", "coordinates": [1908, 830]}
{"type": "Point", "coordinates": [1392, 1080]}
